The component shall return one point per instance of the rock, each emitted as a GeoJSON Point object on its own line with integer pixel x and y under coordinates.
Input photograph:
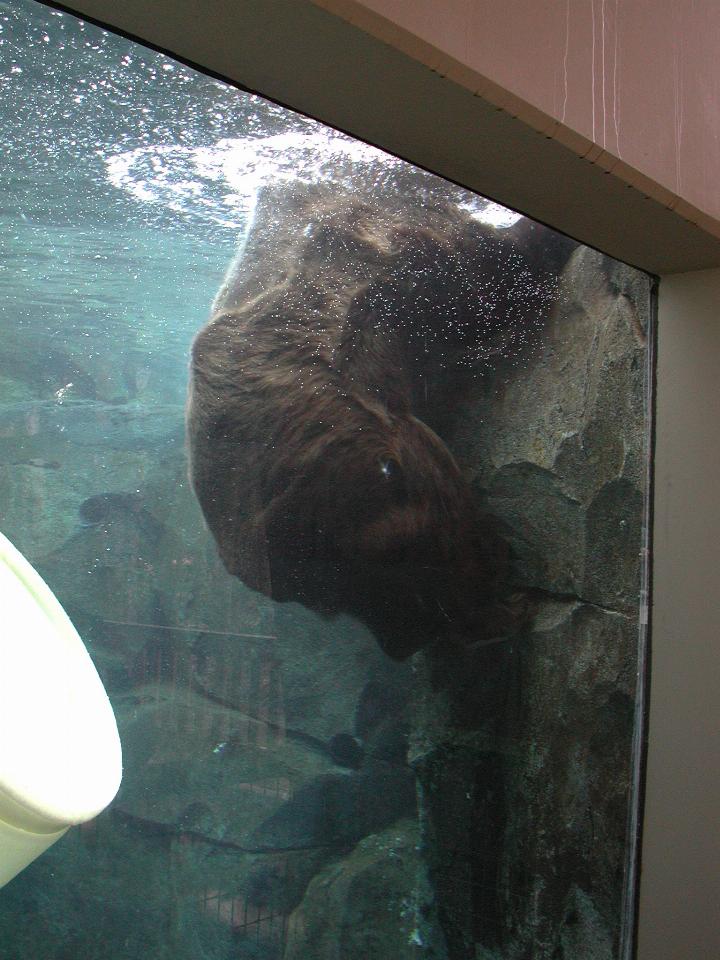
{"type": "Point", "coordinates": [54, 454]}
{"type": "Point", "coordinates": [567, 795]}
{"type": "Point", "coordinates": [197, 767]}
{"type": "Point", "coordinates": [376, 902]}
{"type": "Point", "coordinates": [583, 932]}
{"type": "Point", "coordinates": [140, 897]}
{"type": "Point", "coordinates": [337, 810]}
{"type": "Point", "coordinates": [322, 677]}
{"type": "Point", "coordinates": [524, 751]}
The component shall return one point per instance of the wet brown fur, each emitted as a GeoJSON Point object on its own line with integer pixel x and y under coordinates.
{"type": "Point", "coordinates": [317, 479]}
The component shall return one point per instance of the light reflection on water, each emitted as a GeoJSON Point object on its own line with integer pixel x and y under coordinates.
{"type": "Point", "coordinates": [220, 181]}
{"type": "Point", "coordinates": [141, 139]}
{"type": "Point", "coordinates": [127, 182]}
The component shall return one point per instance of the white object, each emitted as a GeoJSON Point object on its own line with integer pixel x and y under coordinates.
{"type": "Point", "coordinates": [60, 758]}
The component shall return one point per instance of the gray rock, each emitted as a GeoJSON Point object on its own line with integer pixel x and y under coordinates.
{"type": "Point", "coordinates": [197, 767]}
{"type": "Point", "coordinates": [337, 810]}
{"type": "Point", "coordinates": [523, 751]}
{"type": "Point", "coordinates": [376, 902]}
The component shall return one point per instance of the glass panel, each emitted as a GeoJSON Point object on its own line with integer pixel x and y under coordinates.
{"type": "Point", "coordinates": [377, 667]}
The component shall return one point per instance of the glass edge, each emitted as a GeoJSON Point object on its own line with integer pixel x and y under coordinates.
{"type": "Point", "coordinates": [634, 831]}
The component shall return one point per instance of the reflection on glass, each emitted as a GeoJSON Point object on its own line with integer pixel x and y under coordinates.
{"type": "Point", "coordinates": [369, 606]}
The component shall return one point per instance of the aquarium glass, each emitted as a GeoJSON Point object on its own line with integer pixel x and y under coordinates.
{"type": "Point", "coordinates": [341, 472]}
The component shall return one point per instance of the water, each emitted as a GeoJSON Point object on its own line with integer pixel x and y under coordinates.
{"type": "Point", "coordinates": [407, 726]}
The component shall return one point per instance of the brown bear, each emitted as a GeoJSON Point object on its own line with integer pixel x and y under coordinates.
{"type": "Point", "coordinates": [317, 477]}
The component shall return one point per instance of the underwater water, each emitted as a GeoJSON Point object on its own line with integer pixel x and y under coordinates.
{"type": "Point", "coordinates": [371, 606]}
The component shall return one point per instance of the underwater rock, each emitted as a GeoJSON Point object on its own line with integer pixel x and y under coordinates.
{"type": "Point", "coordinates": [126, 882]}
{"type": "Point", "coordinates": [614, 529]}
{"type": "Point", "coordinates": [38, 463]}
{"type": "Point", "coordinates": [315, 473]}
{"type": "Point", "coordinates": [289, 653]}
{"type": "Point", "coordinates": [346, 750]}
{"type": "Point", "coordinates": [537, 511]}
{"type": "Point", "coordinates": [532, 744]}
{"type": "Point", "coordinates": [103, 507]}
{"type": "Point", "coordinates": [47, 428]}
{"type": "Point", "coordinates": [558, 444]}
{"type": "Point", "coordinates": [337, 810]}
{"type": "Point", "coordinates": [383, 698]}
{"type": "Point", "coordinates": [196, 767]}
{"type": "Point", "coordinates": [80, 444]}
{"type": "Point", "coordinates": [567, 803]}
{"type": "Point", "coordinates": [261, 810]}
{"type": "Point", "coordinates": [583, 932]}
{"type": "Point", "coordinates": [375, 903]}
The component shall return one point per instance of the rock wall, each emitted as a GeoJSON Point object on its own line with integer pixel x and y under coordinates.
{"type": "Point", "coordinates": [524, 753]}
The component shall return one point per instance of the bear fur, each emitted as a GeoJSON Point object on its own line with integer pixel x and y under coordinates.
{"type": "Point", "coordinates": [310, 456]}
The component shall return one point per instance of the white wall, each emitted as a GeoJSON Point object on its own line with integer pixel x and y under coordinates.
{"type": "Point", "coordinates": [680, 886]}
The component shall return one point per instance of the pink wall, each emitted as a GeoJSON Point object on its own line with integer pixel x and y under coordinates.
{"type": "Point", "coordinates": [638, 78]}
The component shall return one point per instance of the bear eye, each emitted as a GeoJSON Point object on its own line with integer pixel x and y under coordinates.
{"type": "Point", "coordinates": [390, 470]}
